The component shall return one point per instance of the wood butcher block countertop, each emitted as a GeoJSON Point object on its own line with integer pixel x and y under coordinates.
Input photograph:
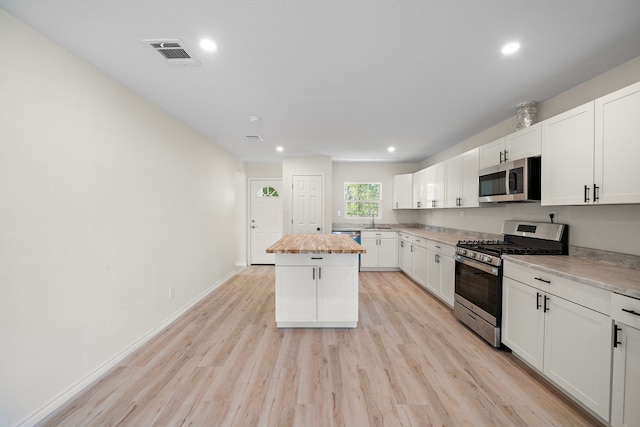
{"type": "Point", "coordinates": [316, 244]}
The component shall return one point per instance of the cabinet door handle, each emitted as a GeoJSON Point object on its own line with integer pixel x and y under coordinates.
{"type": "Point", "coordinates": [501, 157]}
{"type": "Point", "coordinates": [586, 194]}
{"type": "Point", "coordinates": [396, 204]}
{"type": "Point", "coordinates": [538, 300]}
{"type": "Point", "coordinates": [313, 273]}
{"type": "Point", "coordinates": [595, 193]}
{"type": "Point", "coordinates": [631, 312]}
{"type": "Point", "coordinates": [319, 273]}
{"type": "Point", "coordinates": [411, 248]}
{"type": "Point", "coordinates": [546, 305]}
{"type": "Point", "coordinates": [615, 335]}
{"type": "Point", "coordinates": [505, 155]}
{"type": "Point", "coordinates": [316, 257]}
{"type": "Point", "coordinates": [542, 280]}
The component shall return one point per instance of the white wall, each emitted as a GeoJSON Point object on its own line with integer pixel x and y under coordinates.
{"type": "Point", "coordinates": [263, 170]}
{"type": "Point", "coordinates": [368, 172]}
{"type": "Point", "coordinates": [113, 217]}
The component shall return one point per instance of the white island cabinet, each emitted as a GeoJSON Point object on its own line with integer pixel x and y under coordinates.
{"type": "Point", "coordinates": [316, 281]}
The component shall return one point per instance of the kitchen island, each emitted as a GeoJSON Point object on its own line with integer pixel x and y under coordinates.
{"type": "Point", "coordinates": [316, 281]}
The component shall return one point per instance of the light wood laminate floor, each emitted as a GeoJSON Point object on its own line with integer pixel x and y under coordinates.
{"type": "Point", "coordinates": [409, 363]}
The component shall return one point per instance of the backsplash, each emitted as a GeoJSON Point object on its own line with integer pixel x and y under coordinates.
{"type": "Point", "coordinates": [625, 260]}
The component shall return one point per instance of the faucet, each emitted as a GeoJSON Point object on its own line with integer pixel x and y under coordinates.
{"type": "Point", "coordinates": [373, 221]}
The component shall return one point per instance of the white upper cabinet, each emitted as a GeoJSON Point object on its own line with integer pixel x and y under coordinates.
{"type": "Point", "coordinates": [567, 157]}
{"type": "Point", "coordinates": [403, 191]}
{"type": "Point", "coordinates": [492, 154]}
{"type": "Point", "coordinates": [435, 186]}
{"type": "Point", "coordinates": [518, 145]}
{"type": "Point", "coordinates": [524, 143]}
{"type": "Point", "coordinates": [419, 185]}
{"type": "Point", "coordinates": [617, 147]}
{"type": "Point", "coordinates": [461, 180]}
{"type": "Point", "coordinates": [590, 154]}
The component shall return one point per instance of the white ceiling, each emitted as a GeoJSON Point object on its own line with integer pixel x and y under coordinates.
{"type": "Point", "coordinates": [344, 78]}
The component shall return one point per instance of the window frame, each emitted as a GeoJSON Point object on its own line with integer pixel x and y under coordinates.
{"type": "Point", "coordinates": [376, 201]}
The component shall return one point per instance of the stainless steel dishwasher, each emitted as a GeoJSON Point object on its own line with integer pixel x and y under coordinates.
{"type": "Point", "coordinates": [354, 234]}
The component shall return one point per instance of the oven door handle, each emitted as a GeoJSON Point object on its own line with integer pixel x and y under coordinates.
{"type": "Point", "coordinates": [475, 264]}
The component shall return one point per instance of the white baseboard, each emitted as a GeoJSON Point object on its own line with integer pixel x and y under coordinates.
{"type": "Point", "coordinates": [51, 407]}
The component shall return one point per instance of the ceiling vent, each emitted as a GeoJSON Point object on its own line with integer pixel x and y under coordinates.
{"type": "Point", "coordinates": [254, 138]}
{"type": "Point", "coordinates": [173, 51]}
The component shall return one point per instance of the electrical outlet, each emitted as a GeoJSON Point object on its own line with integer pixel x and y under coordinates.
{"type": "Point", "coordinates": [462, 214]}
{"type": "Point", "coordinates": [555, 216]}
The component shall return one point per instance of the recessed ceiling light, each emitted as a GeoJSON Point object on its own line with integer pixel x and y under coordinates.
{"type": "Point", "coordinates": [510, 48]}
{"type": "Point", "coordinates": [279, 148]}
{"type": "Point", "coordinates": [391, 149]}
{"type": "Point", "coordinates": [208, 45]}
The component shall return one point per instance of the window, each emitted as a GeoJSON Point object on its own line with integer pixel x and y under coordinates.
{"type": "Point", "coordinates": [362, 199]}
{"type": "Point", "coordinates": [267, 192]}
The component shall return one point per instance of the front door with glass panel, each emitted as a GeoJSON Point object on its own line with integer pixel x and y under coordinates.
{"type": "Point", "coordinates": [265, 219]}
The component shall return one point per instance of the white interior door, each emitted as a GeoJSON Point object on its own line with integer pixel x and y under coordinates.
{"type": "Point", "coordinates": [265, 219]}
{"type": "Point", "coordinates": [306, 196]}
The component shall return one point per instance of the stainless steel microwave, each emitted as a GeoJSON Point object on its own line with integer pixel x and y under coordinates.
{"type": "Point", "coordinates": [515, 181]}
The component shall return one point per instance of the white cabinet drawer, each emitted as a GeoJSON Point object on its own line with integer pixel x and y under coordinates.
{"type": "Point", "coordinates": [441, 248]}
{"type": "Point", "coordinates": [527, 276]}
{"type": "Point", "coordinates": [374, 234]}
{"type": "Point", "coordinates": [418, 241]}
{"type": "Point", "coordinates": [404, 236]}
{"type": "Point", "coordinates": [316, 259]}
{"type": "Point", "coordinates": [623, 309]}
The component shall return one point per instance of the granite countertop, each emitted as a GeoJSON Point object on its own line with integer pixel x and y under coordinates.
{"type": "Point", "coordinates": [604, 275]}
{"type": "Point", "coordinates": [316, 244]}
{"type": "Point", "coordinates": [444, 238]}
{"type": "Point", "coordinates": [438, 236]}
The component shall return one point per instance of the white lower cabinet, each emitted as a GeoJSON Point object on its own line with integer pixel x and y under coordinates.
{"type": "Point", "coordinates": [420, 267]}
{"type": "Point", "coordinates": [317, 294]}
{"type": "Point", "coordinates": [382, 250]}
{"type": "Point", "coordinates": [405, 260]}
{"type": "Point", "coordinates": [441, 271]}
{"type": "Point", "coordinates": [413, 258]}
{"type": "Point", "coordinates": [564, 334]}
{"type": "Point", "coordinates": [625, 393]}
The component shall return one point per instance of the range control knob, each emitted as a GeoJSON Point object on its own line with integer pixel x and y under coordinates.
{"type": "Point", "coordinates": [486, 258]}
{"type": "Point", "coordinates": [471, 254]}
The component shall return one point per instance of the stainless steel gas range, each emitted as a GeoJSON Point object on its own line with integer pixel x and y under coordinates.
{"type": "Point", "coordinates": [478, 278]}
